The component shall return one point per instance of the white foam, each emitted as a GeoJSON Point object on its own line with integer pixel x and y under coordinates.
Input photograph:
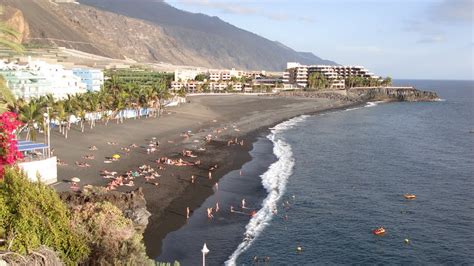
{"type": "Point", "coordinates": [352, 109]}
{"type": "Point", "coordinates": [274, 180]}
{"type": "Point", "coordinates": [440, 100]}
{"type": "Point", "coordinates": [372, 104]}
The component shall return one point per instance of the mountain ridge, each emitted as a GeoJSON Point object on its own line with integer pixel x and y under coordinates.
{"type": "Point", "coordinates": [153, 31]}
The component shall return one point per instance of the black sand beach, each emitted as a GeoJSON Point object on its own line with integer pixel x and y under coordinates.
{"type": "Point", "coordinates": [224, 117]}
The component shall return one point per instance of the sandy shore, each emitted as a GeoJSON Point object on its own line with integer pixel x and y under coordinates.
{"type": "Point", "coordinates": [244, 117]}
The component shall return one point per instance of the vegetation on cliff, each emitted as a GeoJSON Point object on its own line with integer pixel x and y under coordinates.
{"type": "Point", "coordinates": [37, 227]}
{"type": "Point", "coordinates": [32, 215]}
{"type": "Point", "coordinates": [111, 237]}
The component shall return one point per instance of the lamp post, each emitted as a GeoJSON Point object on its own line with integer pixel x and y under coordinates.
{"type": "Point", "coordinates": [48, 132]}
{"type": "Point", "coordinates": [204, 251]}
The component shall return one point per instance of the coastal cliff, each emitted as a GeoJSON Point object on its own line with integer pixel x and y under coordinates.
{"type": "Point", "coordinates": [364, 94]}
{"type": "Point", "coordinates": [132, 204]}
{"type": "Point", "coordinates": [402, 94]}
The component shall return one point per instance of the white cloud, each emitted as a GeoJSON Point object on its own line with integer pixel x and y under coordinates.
{"type": "Point", "coordinates": [373, 49]}
{"type": "Point", "coordinates": [432, 39]}
{"type": "Point", "coordinates": [432, 26]}
{"type": "Point", "coordinates": [241, 8]}
{"type": "Point", "coordinates": [453, 11]}
{"type": "Point", "coordinates": [425, 29]}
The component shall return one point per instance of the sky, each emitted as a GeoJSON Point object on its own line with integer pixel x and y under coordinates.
{"type": "Point", "coordinates": [413, 39]}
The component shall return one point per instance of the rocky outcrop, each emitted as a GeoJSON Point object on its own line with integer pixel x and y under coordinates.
{"type": "Point", "coordinates": [132, 204]}
{"type": "Point", "coordinates": [402, 94]}
{"type": "Point", "coordinates": [333, 95]}
{"type": "Point", "coordinates": [14, 19]}
{"type": "Point", "coordinates": [354, 95]}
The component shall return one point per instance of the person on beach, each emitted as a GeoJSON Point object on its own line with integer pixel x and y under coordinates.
{"type": "Point", "coordinates": [217, 186]}
{"type": "Point", "coordinates": [217, 206]}
{"type": "Point", "coordinates": [187, 212]}
{"type": "Point", "coordinates": [209, 213]}
{"type": "Point", "coordinates": [243, 204]}
{"type": "Point", "coordinates": [193, 179]}
{"type": "Point", "coordinates": [231, 208]}
{"type": "Point", "coordinates": [210, 175]}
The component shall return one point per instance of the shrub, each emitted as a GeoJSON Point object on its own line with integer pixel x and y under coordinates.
{"type": "Point", "coordinates": [32, 215]}
{"type": "Point", "coordinates": [112, 237]}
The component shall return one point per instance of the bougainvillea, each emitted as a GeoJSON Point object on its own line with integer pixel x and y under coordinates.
{"type": "Point", "coordinates": [9, 153]}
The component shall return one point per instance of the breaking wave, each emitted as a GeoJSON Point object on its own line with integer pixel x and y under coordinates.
{"type": "Point", "coordinates": [372, 104]}
{"type": "Point", "coordinates": [274, 180]}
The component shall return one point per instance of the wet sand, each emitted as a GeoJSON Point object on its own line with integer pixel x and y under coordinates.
{"type": "Point", "coordinates": [244, 117]}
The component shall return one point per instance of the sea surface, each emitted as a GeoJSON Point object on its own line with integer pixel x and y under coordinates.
{"type": "Point", "coordinates": [324, 182]}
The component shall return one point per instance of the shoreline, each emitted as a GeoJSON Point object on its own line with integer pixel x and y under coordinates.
{"type": "Point", "coordinates": [173, 223]}
{"type": "Point", "coordinates": [249, 116]}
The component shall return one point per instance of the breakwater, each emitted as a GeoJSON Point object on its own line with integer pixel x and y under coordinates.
{"type": "Point", "coordinates": [363, 94]}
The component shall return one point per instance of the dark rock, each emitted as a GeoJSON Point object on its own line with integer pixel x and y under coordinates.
{"type": "Point", "coordinates": [132, 204]}
{"type": "Point", "coordinates": [408, 94]}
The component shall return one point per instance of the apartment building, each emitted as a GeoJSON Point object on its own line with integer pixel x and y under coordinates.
{"type": "Point", "coordinates": [237, 86]}
{"type": "Point", "coordinates": [218, 86]}
{"type": "Point", "coordinates": [298, 74]}
{"type": "Point", "coordinates": [38, 78]}
{"type": "Point", "coordinates": [186, 74]}
{"type": "Point", "coordinates": [93, 78]}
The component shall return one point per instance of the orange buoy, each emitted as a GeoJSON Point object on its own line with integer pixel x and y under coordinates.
{"type": "Point", "coordinates": [409, 196]}
{"type": "Point", "coordinates": [379, 231]}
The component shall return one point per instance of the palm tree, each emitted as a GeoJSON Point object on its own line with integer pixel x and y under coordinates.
{"type": "Point", "coordinates": [80, 108]}
{"type": "Point", "coordinates": [119, 104]}
{"type": "Point", "coordinates": [6, 96]}
{"type": "Point", "coordinates": [317, 80]}
{"type": "Point", "coordinates": [93, 101]}
{"type": "Point", "coordinates": [31, 114]}
{"type": "Point", "coordinates": [113, 85]}
{"type": "Point", "coordinates": [162, 92]}
{"type": "Point", "coordinates": [145, 98]}
{"type": "Point", "coordinates": [387, 81]}
{"type": "Point", "coordinates": [8, 37]}
{"type": "Point", "coordinates": [70, 107]}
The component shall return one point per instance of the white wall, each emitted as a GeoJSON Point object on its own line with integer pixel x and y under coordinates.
{"type": "Point", "coordinates": [47, 169]}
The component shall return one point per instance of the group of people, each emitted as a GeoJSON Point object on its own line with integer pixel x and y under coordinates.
{"type": "Point", "coordinates": [177, 162]}
{"type": "Point", "coordinates": [235, 141]}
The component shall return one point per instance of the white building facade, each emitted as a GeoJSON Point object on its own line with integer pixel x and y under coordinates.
{"type": "Point", "coordinates": [297, 74]}
{"type": "Point", "coordinates": [93, 78]}
{"type": "Point", "coordinates": [38, 78]}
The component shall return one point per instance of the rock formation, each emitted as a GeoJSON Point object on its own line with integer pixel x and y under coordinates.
{"type": "Point", "coordinates": [132, 204]}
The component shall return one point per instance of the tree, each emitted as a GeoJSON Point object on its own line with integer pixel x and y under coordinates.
{"type": "Point", "coordinates": [201, 77]}
{"type": "Point", "coordinates": [31, 114]}
{"type": "Point", "coordinates": [9, 37]}
{"type": "Point", "coordinates": [6, 96]}
{"type": "Point", "coordinates": [387, 81]}
{"type": "Point", "coordinates": [317, 80]}
{"type": "Point", "coordinates": [229, 88]}
{"type": "Point", "coordinates": [162, 92]}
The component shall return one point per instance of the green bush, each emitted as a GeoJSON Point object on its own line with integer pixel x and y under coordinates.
{"type": "Point", "coordinates": [32, 215]}
{"type": "Point", "coordinates": [112, 237]}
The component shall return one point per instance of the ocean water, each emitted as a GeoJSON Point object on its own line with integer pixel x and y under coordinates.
{"type": "Point", "coordinates": [334, 177]}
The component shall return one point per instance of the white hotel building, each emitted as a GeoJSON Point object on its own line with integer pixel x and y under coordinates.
{"type": "Point", "coordinates": [38, 78]}
{"type": "Point", "coordinates": [298, 74]}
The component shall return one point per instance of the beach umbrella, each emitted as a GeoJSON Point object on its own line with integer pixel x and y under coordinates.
{"type": "Point", "coordinates": [116, 156]}
{"type": "Point", "coordinates": [75, 180]}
